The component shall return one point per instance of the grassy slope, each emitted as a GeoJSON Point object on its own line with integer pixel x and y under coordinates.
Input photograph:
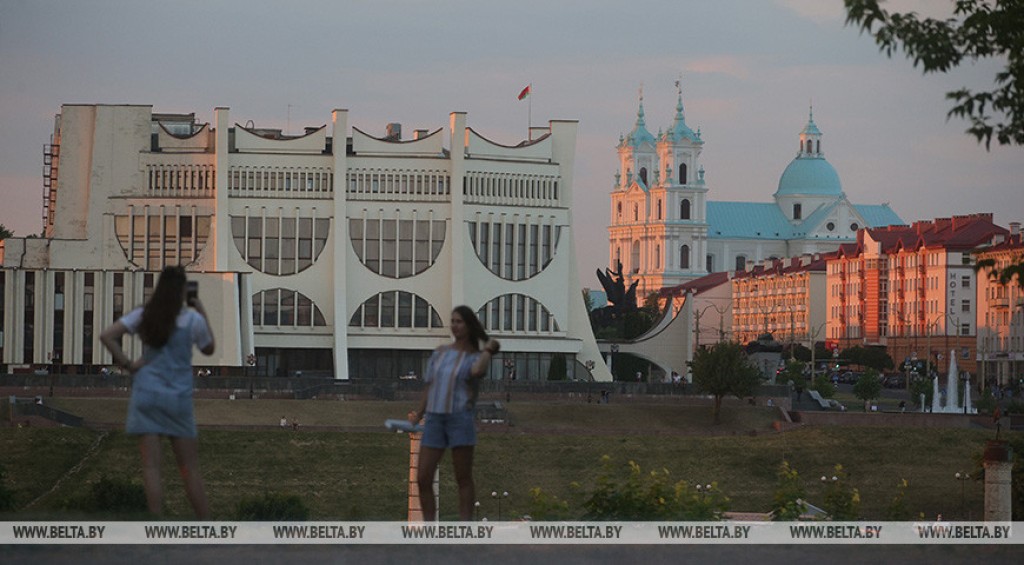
{"type": "Point", "coordinates": [361, 475]}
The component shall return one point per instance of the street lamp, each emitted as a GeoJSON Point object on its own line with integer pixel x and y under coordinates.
{"type": "Point", "coordinates": [499, 497]}
{"type": "Point", "coordinates": [476, 511]}
{"type": "Point", "coordinates": [510, 375]}
{"type": "Point", "coordinates": [703, 490]}
{"type": "Point", "coordinates": [963, 478]}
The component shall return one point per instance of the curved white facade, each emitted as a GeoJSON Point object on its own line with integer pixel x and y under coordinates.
{"type": "Point", "coordinates": [325, 252]}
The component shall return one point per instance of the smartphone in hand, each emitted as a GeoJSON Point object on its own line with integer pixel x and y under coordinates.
{"type": "Point", "coordinates": [191, 292]}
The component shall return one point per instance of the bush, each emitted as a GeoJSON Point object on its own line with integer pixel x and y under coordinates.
{"type": "Point", "coordinates": [824, 386]}
{"type": "Point", "coordinates": [788, 501]}
{"type": "Point", "coordinates": [111, 495]}
{"type": "Point", "coordinates": [271, 506]}
{"type": "Point", "coordinates": [627, 493]}
{"type": "Point", "coordinates": [6, 494]}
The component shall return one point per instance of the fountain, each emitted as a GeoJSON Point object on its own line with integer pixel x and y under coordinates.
{"type": "Point", "coordinates": [952, 404]}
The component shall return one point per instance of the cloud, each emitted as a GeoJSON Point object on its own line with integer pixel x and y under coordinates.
{"type": "Point", "coordinates": [817, 11]}
{"type": "Point", "coordinates": [738, 67]}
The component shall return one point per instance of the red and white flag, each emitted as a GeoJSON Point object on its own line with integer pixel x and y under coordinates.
{"type": "Point", "coordinates": [525, 92]}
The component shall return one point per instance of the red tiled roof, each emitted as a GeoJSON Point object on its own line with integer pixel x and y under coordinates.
{"type": "Point", "coordinates": [696, 286]}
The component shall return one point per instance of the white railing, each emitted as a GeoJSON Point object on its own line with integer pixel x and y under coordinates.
{"type": "Point", "coordinates": [511, 189]}
{"type": "Point", "coordinates": [398, 184]}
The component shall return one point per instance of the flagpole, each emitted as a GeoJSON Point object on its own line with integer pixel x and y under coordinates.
{"type": "Point", "coordinates": [529, 115]}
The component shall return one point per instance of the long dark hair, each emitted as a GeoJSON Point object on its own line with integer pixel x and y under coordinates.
{"type": "Point", "coordinates": [477, 334]}
{"type": "Point", "coordinates": [160, 313]}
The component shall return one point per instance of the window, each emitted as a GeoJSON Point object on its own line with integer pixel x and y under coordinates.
{"type": "Point", "coordinates": [643, 175]}
{"type": "Point", "coordinates": [285, 308]}
{"type": "Point", "coordinates": [684, 257]}
{"type": "Point", "coordinates": [636, 213]}
{"type": "Point", "coordinates": [965, 305]}
{"type": "Point", "coordinates": [635, 257]}
{"type": "Point", "coordinates": [659, 208]}
{"type": "Point", "coordinates": [395, 248]}
{"type": "Point", "coordinates": [965, 281]}
{"type": "Point", "coordinates": [854, 226]}
{"type": "Point", "coordinates": [709, 263]}
{"type": "Point", "coordinates": [657, 256]}
{"type": "Point", "coordinates": [830, 226]}
{"type": "Point", "coordinates": [512, 313]}
{"type": "Point", "coordinates": [684, 209]}
{"type": "Point", "coordinates": [965, 329]}
{"type": "Point", "coordinates": [741, 263]}
{"type": "Point", "coordinates": [618, 211]}
{"type": "Point", "coordinates": [797, 212]}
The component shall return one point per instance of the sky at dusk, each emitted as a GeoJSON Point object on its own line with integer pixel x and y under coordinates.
{"type": "Point", "coordinates": [749, 70]}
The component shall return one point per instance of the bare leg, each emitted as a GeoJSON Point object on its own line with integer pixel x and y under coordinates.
{"type": "Point", "coordinates": [462, 459]}
{"type": "Point", "coordinates": [186, 450]}
{"type": "Point", "coordinates": [428, 461]}
{"type": "Point", "coordinates": [149, 448]}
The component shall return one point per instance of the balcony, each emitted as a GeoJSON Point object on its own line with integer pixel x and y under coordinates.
{"type": "Point", "coordinates": [1002, 302]}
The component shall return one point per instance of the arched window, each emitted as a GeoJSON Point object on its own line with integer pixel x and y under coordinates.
{"type": "Point", "coordinates": [618, 212]}
{"type": "Point", "coordinates": [684, 209]}
{"type": "Point", "coordinates": [657, 256]}
{"type": "Point", "coordinates": [819, 145]}
{"type": "Point", "coordinates": [682, 173]}
{"type": "Point", "coordinates": [809, 145]}
{"type": "Point", "coordinates": [741, 263]}
{"type": "Point", "coordinates": [634, 263]}
{"type": "Point", "coordinates": [684, 257]}
{"type": "Point", "coordinates": [709, 263]}
{"type": "Point", "coordinates": [643, 175]}
{"type": "Point", "coordinates": [797, 211]}
{"type": "Point", "coordinates": [659, 209]}
{"type": "Point", "coordinates": [618, 258]}
{"type": "Point", "coordinates": [636, 212]}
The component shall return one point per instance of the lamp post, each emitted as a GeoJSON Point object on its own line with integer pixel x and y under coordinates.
{"type": "Point", "coordinates": [499, 498]}
{"type": "Point", "coordinates": [611, 358]}
{"type": "Point", "coordinates": [476, 511]}
{"type": "Point", "coordinates": [962, 478]}
{"type": "Point", "coordinates": [703, 491]}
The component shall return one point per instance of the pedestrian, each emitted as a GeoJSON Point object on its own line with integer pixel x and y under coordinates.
{"type": "Point", "coordinates": [453, 378]}
{"type": "Point", "coordinates": [161, 398]}
{"type": "Point", "coordinates": [284, 422]}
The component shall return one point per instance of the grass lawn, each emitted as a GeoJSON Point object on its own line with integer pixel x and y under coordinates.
{"type": "Point", "coordinates": [351, 474]}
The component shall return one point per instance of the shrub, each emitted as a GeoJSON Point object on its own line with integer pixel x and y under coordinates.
{"type": "Point", "coordinates": [111, 495]}
{"type": "Point", "coordinates": [636, 495]}
{"type": "Point", "coordinates": [788, 501]}
{"type": "Point", "coordinates": [271, 506]}
{"type": "Point", "coordinates": [6, 494]}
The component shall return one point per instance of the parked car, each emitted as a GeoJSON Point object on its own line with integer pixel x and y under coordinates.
{"type": "Point", "coordinates": [894, 380]}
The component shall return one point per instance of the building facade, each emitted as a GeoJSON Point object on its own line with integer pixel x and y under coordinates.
{"type": "Point", "coordinates": [911, 289]}
{"type": "Point", "coordinates": [327, 252]}
{"type": "Point", "coordinates": [785, 298]}
{"type": "Point", "coordinates": [664, 230]}
{"type": "Point", "coordinates": [1000, 352]}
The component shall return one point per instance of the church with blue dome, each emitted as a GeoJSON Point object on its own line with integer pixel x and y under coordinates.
{"type": "Point", "coordinates": [664, 230]}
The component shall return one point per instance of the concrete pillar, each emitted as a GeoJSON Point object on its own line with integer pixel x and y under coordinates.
{"type": "Point", "coordinates": [415, 514]}
{"type": "Point", "coordinates": [998, 463]}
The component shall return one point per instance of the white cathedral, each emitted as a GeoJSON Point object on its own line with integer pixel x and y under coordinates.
{"type": "Point", "coordinates": [664, 231]}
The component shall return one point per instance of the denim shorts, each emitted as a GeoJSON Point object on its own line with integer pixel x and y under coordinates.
{"type": "Point", "coordinates": [441, 431]}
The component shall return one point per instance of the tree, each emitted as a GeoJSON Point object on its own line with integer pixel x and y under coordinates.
{"type": "Point", "coordinates": [724, 369]}
{"type": "Point", "coordinates": [979, 29]}
{"type": "Point", "coordinates": [795, 372]}
{"type": "Point", "coordinates": [5, 233]}
{"type": "Point", "coordinates": [874, 357]}
{"type": "Point", "coordinates": [868, 386]}
{"type": "Point", "coordinates": [1006, 275]}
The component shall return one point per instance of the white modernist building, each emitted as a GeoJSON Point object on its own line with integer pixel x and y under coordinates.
{"type": "Point", "coordinates": [331, 252]}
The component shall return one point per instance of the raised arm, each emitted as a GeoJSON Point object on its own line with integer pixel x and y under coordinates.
{"type": "Point", "coordinates": [479, 368]}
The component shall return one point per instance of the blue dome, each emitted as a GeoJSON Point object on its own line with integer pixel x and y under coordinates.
{"type": "Point", "coordinates": [809, 175]}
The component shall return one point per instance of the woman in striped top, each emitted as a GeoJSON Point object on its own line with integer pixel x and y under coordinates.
{"type": "Point", "coordinates": [452, 378]}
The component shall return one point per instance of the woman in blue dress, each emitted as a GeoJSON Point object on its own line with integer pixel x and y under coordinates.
{"type": "Point", "coordinates": [452, 378]}
{"type": "Point", "coordinates": [161, 400]}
